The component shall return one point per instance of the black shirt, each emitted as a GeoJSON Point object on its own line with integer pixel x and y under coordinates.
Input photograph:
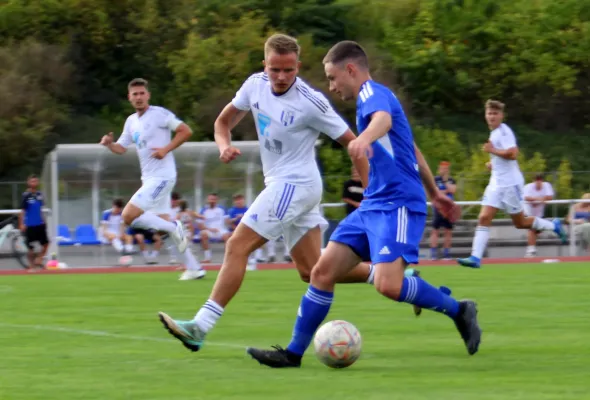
{"type": "Point", "coordinates": [352, 190]}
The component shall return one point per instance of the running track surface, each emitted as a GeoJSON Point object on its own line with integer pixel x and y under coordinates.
{"type": "Point", "coordinates": [275, 266]}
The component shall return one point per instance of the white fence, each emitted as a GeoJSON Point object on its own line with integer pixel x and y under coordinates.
{"type": "Point", "coordinates": [54, 248]}
{"type": "Point", "coordinates": [569, 202]}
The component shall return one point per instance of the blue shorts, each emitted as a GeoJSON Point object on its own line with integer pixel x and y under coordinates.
{"type": "Point", "coordinates": [382, 236]}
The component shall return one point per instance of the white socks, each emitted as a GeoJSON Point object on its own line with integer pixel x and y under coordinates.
{"type": "Point", "coordinates": [149, 220]}
{"type": "Point", "coordinates": [541, 224]}
{"type": "Point", "coordinates": [208, 315]}
{"type": "Point", "coordinates": [118, 245]}
{"type": "Point", "coordinates": [191, 263]}
{"type": "Point", "coordinates": [371, 278]}
{"type": "Point", "coordinates": [207, 255]}
{"type": "Point", "coordinates": [480, 241]}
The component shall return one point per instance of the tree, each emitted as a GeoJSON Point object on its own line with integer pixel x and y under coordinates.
{"type": "Point", "coordinates": [35, 86]}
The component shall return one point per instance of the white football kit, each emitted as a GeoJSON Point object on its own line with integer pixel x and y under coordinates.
{"type": "Point", "coordinates": [530, 190]}
{"type": "Point", "coordinates": [112, 222]}
{"type": "Point", "coordinates": [288, 126]}
{"type": "Point", "coordinates": [150, 131]}
{"type": "Point", "coordinates": [214, 219]}
{"type": "Point", "coordinates": [505, 190]}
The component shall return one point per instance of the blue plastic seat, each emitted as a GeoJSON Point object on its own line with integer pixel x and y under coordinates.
{"type": "Point", "coordinates": [64, 236]}
{"type": "Point", "coordinates": [86, 235]}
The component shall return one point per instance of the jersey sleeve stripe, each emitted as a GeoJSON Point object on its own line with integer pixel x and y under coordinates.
{"type": "Point", "coordinates": [314, 100]}
{"type": "Point", "coordinates": [319, 99]}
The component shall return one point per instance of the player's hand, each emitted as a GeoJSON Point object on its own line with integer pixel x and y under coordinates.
{"type": "Point", "coordinates": [107, 139]}
{"type": "Point", "coordinates": [447, 207]}
{"type": "Point", "coordinates": [159, 153]}
{"type": "Point", "coordinates": [229, 154]}
{"type": "Point", "coordinates": [489, 166]}
{"type": "Point", "coordinates": [488, 147]}
{"type": "Point", "coordinates": [360, 148]}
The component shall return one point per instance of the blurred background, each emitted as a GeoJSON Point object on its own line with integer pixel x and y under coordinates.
{"type": "Point", "coordinates": [64, 67]}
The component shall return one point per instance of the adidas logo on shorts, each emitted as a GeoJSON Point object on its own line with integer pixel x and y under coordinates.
{"type": "Point", "coordinates": [384, 251]}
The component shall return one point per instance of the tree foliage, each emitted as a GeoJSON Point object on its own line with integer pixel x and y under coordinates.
{"type": "Point", "coordinates": [64, 66]}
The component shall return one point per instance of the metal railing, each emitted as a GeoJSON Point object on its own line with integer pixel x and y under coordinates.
{"type": "Point", "coordinates": [569, 202]}
{"type": "Point", "coordinates": [51, 227]}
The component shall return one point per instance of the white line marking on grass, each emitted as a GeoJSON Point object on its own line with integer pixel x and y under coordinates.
{"type": "Point", "coordinates": [49, 328]}
{"type": "Point", "coordinates": [6, 289]}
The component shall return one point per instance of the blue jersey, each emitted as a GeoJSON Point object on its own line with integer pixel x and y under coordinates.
{"type": "Point", "coordinates": [442, 184]}
{"type": "Point", "coordinates": [32, 204]}
{"type": "Point", "coordinates": [235, 211]}
{"type": "Point", "coordinates": [394, 178]}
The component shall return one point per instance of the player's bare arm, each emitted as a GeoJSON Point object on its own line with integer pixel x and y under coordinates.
{"type": "Point", "coordinates": [361, 164]}
{"type": "Point", "coordinates": [108, 141]}
{"type": "Point", "coordinates": [380, 124]}
{"type": "Point", "coordinates": [229, 117]}
{"type": "Point", "coordinates": [508, 154]}
{"type": "Point", "coordinates": [182, 134]}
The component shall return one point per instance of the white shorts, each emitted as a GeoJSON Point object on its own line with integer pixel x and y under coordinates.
{"type": "Point", "coordinates": [154, 195]}
{"type": "Point", "coordinates": [215, 235]}
{"type": "Point", "coordinates": [509, 198]}
{"type": "Point", "coordinates": [286, 209]}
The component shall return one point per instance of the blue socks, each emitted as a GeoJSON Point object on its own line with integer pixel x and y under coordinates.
{"type": "Point", "coordinates": [418, 292]}
{"type": "Point", "coordinates": [314, 308]}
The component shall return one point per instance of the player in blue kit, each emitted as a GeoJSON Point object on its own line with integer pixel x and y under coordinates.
{"type": "Point", "coordinates": [388, 225]}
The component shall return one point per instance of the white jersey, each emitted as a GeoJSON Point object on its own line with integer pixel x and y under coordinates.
{"type": "Point", "coordinates": [111, 222]}
{"type": "Point", "coordinates": [214, 218]}
{"type": "Point", "coordinates": [288, 126]}
{"type": "Point", "coordinates": [149, 131]}
{"type": "Point", "coordinates": [530, 190]}
{"type": "Point", "coordinates": [504, 172]}
{"type": "Point", "coordinates": [174, 212]}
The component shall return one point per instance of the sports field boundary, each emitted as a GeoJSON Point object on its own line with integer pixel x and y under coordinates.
{"type": "Point", "coordinates": [271, 266]}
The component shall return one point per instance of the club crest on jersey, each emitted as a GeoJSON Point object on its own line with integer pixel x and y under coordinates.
{"type": "Point", "coordinates": [287, 117]}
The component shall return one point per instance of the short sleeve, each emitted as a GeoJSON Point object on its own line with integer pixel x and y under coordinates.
{"type": "Point", "coordinates": [241, 100]}
{"type": "Point", "coordinates": [126, 138]}
{"type": "Point", "coordinates": [548, 189]}
{"type": "Point", "coordinates": [507, 138]}
{"type": "Point", "coordinates": [105, 216]}
{"type": "Point", "coordinates": [372, 102]}
{"type": "Point", "coordinates": [171, 121]}
{"type": "Point", "coordinates": [527, 189]}
{"type": "Point", "coordinates": [328, 122]}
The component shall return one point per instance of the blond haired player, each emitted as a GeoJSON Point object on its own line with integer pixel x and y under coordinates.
{"type": "Point", "coordinates": [505, 190]}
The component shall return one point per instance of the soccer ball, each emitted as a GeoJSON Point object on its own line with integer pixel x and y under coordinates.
{"type": "Point", "coordinates": [337, 344]}
{"type": "Point", "coordinates": [125, 261]}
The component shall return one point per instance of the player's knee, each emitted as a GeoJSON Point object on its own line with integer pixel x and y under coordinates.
{"type": "Point", "coordinates": [203, 235]}
{"type": "Point", "coordinates": [391, 290]}
{"type": "Point", "coordinates": [484, 220]}
{"type": "Point", "coordinates": [234, 247]}
{"type": "Point", "coordinates": [322, 276]}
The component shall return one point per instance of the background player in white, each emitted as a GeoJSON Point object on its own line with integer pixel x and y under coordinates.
{"type": "Point", "coordinates": [289, 117]}
{"type": "Point", "coordinates": [213, 225]}
{"type": "Point", "coordinates": [505, 190]}
{"type": "Point", "coordinates": [535, 195]}
{"type": "Point", "coordinates": [187, 218]}
{"type": "Point", "coordinates": [149, 128]}
{"type": "Point", "coordinates": [112, 229]}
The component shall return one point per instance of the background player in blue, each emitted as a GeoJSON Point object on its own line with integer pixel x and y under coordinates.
{"type": "Point", "coordinates": [236, 213]}
{"type": "Point", "coordinates": [388, 225]}
{"type": "Point", "coordinates": [447, 185]}
{"type": "Point", "coordinates": [32, 223]}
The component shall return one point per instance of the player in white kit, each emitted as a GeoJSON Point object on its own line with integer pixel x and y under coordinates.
{"type": "Point", "coordinates": [535, 195]}
{"type": "Point", "coordinates": [289, 116]}
{"type": "Point", "coordinates": [149, 128]}
{"type": "Point", "coordinates": [505, 190]}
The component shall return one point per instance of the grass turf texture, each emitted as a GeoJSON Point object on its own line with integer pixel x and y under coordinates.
{"type": "Point", "coordinates": [98, 337]}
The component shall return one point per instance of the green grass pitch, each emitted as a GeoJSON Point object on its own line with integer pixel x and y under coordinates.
{"type": "Point", "coordinates": [98, 337]}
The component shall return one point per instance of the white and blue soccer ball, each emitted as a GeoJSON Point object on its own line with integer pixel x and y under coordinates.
{"type": "Point", "coordinates": [337, 344]}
